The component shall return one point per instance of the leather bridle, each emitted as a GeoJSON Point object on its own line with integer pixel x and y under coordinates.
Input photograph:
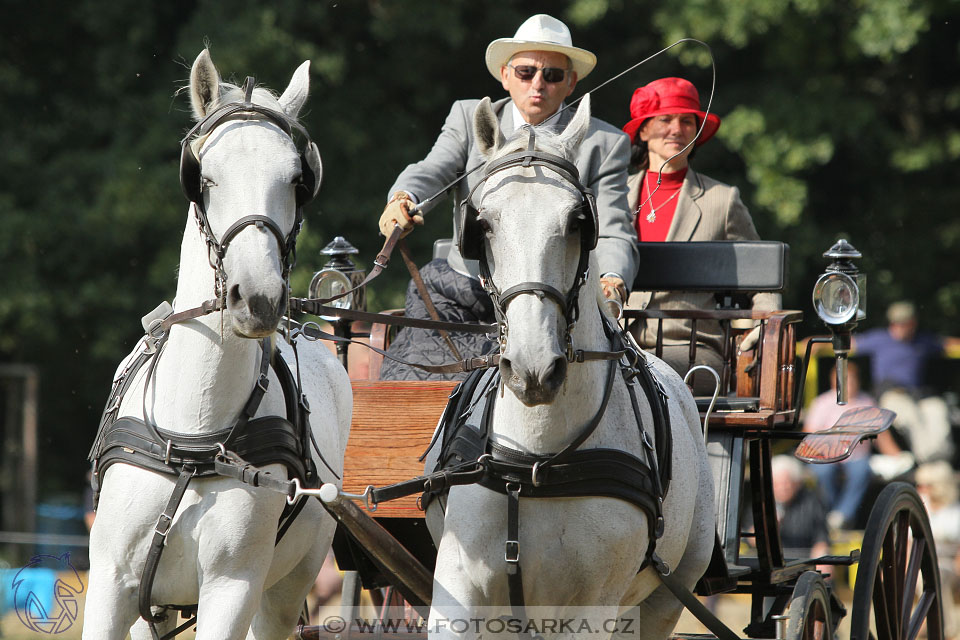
{"type": "Point", "coordinates": [569, 302]}
{"type": "Point", "coordinates": [191, 183]}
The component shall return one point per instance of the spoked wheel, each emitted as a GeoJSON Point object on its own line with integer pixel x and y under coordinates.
{"type": "Point", "coordinates": [808, 614]}
{"type": "Point", "coordinates": [897, 594]}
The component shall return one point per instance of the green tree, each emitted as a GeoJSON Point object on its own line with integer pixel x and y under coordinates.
{"type": "Point", "coordinates": [836, 122]}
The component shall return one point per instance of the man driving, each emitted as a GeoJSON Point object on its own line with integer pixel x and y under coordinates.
{"type": "Point", "coordinates": [539, 67]}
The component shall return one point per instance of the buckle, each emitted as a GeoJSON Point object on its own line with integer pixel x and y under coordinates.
{"type": "Point", "coordinates": [511, 551]}
{"type": "Point", "coordinates": [263, 382]}
{"type": "Point", "coordinates": [163, 525]}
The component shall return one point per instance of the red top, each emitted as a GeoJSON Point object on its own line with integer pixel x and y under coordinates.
{"type": "Point", "coordinates": [664, 202]}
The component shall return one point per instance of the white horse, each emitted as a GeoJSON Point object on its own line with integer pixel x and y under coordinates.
{"type": "Point", "coordinates": [220, 551]}
{"type": "Point", "coordinates": [580, 556]}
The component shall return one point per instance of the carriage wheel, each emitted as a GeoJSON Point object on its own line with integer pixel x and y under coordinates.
{"type": "Point", "coordinates": [897, 592]}
{"type": "Point", "coordinates": [808, 614]}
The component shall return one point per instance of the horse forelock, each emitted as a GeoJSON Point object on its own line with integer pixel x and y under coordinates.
{"type": "Point", "coordinates": [544, 140]}
{"type": "Point", "coordinates": [230, 94]}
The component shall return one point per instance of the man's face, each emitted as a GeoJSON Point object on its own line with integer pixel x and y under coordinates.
{"type": "Point", "coordinates": [536, 98]}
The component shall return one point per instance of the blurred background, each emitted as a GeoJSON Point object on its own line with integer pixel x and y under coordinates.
{"type": "Point", "coordinates": [839, 120]}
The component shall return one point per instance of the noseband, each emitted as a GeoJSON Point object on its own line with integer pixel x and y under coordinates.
{"type": "Point", "coordinates": [568, 302]}
{"type": "Point", "coordinates": [191, 183]}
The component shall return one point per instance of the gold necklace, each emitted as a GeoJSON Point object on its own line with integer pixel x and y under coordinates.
{"type": "Point", "coordinates": [652, 216]}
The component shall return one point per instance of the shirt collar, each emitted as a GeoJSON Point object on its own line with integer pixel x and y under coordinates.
{"type": "Point", "coordinates": [518, 120]}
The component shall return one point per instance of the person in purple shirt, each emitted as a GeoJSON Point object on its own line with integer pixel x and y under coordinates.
{"type": "Point", "coordinates": [898, 360]}
{"type": "Point", "coordinates": [898, 352]}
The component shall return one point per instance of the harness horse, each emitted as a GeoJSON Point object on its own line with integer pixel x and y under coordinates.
{"type": "Point", "coordinates": [571, 497]}
{"type": "Point", "coordinates": [184, 520]}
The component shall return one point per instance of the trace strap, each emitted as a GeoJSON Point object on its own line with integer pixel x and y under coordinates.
{"type": "Point", "coordinates": [311, 331]}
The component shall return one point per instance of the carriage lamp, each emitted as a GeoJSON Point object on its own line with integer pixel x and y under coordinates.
{"type": "Point", "coordinates": [839, 298]}
{"type": "Point", "coordinates": [338, 275]}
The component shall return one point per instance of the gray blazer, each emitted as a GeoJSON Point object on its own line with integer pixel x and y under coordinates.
{"type": "Point", "coordinates": [707, 210]}
{"type": "Point", "coordinates": [602, 161]}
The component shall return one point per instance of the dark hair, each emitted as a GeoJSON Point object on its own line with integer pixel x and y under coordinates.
{"type": "Point", "coordinates": [639, 160]}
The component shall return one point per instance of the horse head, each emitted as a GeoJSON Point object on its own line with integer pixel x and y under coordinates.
{"type": "Point", "coordinates": [538, 225]}
{"type": "Point", "coordinates": [241, 169]}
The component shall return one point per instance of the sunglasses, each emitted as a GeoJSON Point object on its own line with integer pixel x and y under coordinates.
{"type": "Point", "coordinates": [527, 72]}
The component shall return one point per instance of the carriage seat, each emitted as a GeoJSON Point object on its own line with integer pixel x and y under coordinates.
{"type": "Point", "coordinates": [728, 267]}
{"type": "Point", "coordinates": [755, 385]}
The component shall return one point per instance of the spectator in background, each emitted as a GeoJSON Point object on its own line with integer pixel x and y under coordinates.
{"type": "Point", "coordinates": [937, 486]}
{"type": "Point", "coordinates": [843, 484]}
{"type": "Point", "coordinates": [326, 586]}
{"type": "Point", "coordinates": [800, 512]}
{"type": "Point", "coordinates": [898, 360]}
{"type": "Point", "coordinates": [89, 513]}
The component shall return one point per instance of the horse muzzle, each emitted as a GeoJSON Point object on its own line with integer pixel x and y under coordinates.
{"type": "Point", "coordinates": [534, 386]}
{"type": "Point", "coordinates": [256, 315]}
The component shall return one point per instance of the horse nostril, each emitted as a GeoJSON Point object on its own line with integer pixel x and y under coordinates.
{"type": "Point", "coordinates": [233, 296]}
{"type": "Point", "coordinates": [509, 376]}
{"type": "Point", "coordinates": [556, 373]}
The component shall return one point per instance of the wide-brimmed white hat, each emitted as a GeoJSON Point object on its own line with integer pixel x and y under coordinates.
{"type": "Point", "coordinates": [539, 33]}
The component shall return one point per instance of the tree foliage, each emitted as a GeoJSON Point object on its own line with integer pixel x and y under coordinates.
{"type": "Point", "coordinates": [837, 121]}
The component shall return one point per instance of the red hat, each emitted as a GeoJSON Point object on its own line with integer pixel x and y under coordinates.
{"type": "Point", "coordinates": [669, 95]}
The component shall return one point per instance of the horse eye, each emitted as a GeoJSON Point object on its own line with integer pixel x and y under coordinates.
{"type": "Point", "coordinates": [484, 224]}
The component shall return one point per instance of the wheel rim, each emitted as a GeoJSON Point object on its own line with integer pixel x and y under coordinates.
{"type": "Point", "coordinates": [898, 584]}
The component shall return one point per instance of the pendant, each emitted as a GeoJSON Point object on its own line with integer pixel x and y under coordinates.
{"type": "Point", "coordinates": [652, 216]}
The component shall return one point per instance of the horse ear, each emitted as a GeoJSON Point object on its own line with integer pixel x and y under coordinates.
{"type": "Point", "coordinates": [295, 95]}
{"type": "Point", "coordinates": [312, 155]}
{"type": "Point", "coordinates": [204, 84]}
{"type": "Point", "coordinates": [486, 128]}
{"type": "Point", "coordinates": [576, 131]}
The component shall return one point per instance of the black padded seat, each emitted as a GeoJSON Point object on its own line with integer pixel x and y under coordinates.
{"type": "Point", "coordinates": [747, 266]}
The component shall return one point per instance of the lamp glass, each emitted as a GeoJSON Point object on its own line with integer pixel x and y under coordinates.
{"type": "Point", "coordinates": [836, 298]}
{"type": "Point", "coordinates": [328, 283]}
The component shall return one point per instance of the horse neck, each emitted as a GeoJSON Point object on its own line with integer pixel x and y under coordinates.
{"type": "Point", "coordinates": [206, 372]}
{"type": "Point", "coordinates": [548, 428]}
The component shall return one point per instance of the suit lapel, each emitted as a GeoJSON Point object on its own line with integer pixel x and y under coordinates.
{"type": "Point", "coordinates": [688, 214]}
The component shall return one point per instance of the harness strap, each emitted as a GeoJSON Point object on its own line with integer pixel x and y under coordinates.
{"type": "Point", "coordinates": [693, 605]}
{"type": "Point", "coordinates": [233, 466]}
{"type": "Point", "coordinates": [434, 483]}
{"type": "Point", "coordinates": [208, 307]}
{"type": "Point", "coordinates": [463, 366]}
{"type": "Point", "coordinates": [156, 549]}
{"type": "Point", "coordinates": [591, 426]}
{"type": "Point", "coordinates": [511, 552]}
{"type": "Point", "coordinates": [317, 308]}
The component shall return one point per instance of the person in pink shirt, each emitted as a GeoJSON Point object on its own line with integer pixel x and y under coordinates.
{"type": "Point", "coordinates": [843, 484]}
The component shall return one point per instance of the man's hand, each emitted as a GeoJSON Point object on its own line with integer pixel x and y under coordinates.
{"type": "Point", "coordinates": [397, 212]}
{"type": "Point", "coordinates": [615, 291]}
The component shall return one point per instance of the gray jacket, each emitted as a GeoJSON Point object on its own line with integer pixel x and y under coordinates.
{"type": "Point", "coordinates": [602, 161]}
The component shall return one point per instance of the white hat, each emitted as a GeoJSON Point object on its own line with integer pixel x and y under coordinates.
{"type": "Point", "coordinates": [539, 33]}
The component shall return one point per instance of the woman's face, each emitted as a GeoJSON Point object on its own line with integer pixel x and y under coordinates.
{"type": "Point", "coordinates": [666, 135]}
